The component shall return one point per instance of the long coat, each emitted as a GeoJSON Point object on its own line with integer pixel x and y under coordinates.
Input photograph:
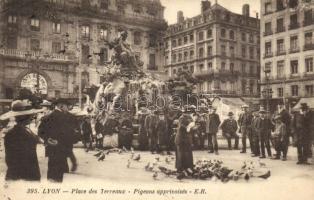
{"type": "Point", "coordinates": [264, 127]}
{"type": "Point", "coordinates": [20, 154]}
{"type": "Point", "coordinates": [213, 123]}
{"type": "Point", "coordinates": [162, 132]}
{"type": "Point", "coordinates": [301, 127]}
{"type": "Point", "coordinates": [87, 131]}
{"type": "Point", "coordinates": [184, 154]}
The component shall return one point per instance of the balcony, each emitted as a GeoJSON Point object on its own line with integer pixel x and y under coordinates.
{"type": "Point", "coordinates": [204, 73]}
{"type": "Point", "coordinates": [280, 52]}
{"type": "Point", "coordinates": [294, 50]}
{"type": "Point", "coordinates": [268, 55]}
{"type": "Point", "coordinates": [268, 32]}
{"type": "Point", "coordinates": [280, 29]}
{"type": "Point", "coordinates": [308, 47]}
{"type": "Point", "coordinates": [294, 26]}
{"type": "Point", "coordinates": [34, 55]}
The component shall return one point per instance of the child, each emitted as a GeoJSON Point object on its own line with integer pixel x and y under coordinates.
{"type": "Point", "coordinates": [280, 138]}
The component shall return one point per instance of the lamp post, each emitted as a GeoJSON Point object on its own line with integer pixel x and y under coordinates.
{"type": "Point", "coordinates": [267, 91]}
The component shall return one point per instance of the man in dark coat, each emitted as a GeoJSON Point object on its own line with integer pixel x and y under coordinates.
{"type": "Point", "coordinates": [255, 136]}
{"type": "Point", "coordinates": [244, 122]}
{"type": "Point", "coordinates": [229, 129]}
{"type": "Point", "coordinates": [162, 132]}
{"type": "Point", "coordinates": [264, 128]}
{"type": "Point", "coordinates": [151, 124]}
{"type": "Point", "coordinates": [212, 125]}
{"type": "Point", "coordinates": [301, 129]}
{"type": "Point", "coordinates": [143, 135]}
{"type": "Point", "coordinates": [58, 132]}
{"type": "Point", "coordinates": [87, 133]}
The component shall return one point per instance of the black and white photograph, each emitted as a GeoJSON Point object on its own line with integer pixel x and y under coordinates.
{"type": "Point", "coordinates": [156, 99]}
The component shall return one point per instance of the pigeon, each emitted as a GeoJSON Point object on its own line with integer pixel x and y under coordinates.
{"type": "Point", "coordinates": [157, 159]}
{"type": "Point", "coordinates": [98, 154]}
{"type": "Point", "coordinates": [137, 158]}
{"type": "Point", "coordinates": [89, 56]}
{"type": "Point", "coordinates": [102, 157]}
{"type": "Point", "coordinates": [261, 164]}
{"type": "Point", "coordinates": [244, 165]}
{"type": "Point", "coordinates": [129, 164]}
{"type": "Point", "coordinates": [265, 176]}
{"type": "Point", "coordinates": [124, 149]}
{"type": "Point", "coordinates": [247, 177]}
{"type": "Point", "coordinates": [147, 166]}
{"type": "Point", "coordinates": [155, 175]}
{"type": "Point", "coordinates": [120, 151]}
{"type": "Point", "coordinates": [132, 150]}
{"type": "Point", "coordinates": [167, 160]}
{"type": "Point", "coordinates": [107, 152]}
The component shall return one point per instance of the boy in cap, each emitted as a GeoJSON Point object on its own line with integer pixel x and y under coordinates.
{"type": "Point", "coordinates": [280, 138]}
{"type": "Point", "coordinates": [229, 129]}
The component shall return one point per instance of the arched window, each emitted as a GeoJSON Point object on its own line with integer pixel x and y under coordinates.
{"type": "Point", "coordinates": [223, 32]}
{"type": "Point", "coordinates": [209, 33]}
{"type": "Point", "coordinates": [201, 52]}
{"type": "Point", "coordinates": [231, 35]}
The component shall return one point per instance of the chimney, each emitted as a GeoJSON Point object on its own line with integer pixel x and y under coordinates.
{"type": "Point", "coordinates": [180, 17]}
{"type": "Point", "coordinates": [205, 5]}
{"type": "Point", "coordinates": [246, 10]}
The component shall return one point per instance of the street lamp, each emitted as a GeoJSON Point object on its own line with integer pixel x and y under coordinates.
{"type": "Point", "coordinates": [267, 91]}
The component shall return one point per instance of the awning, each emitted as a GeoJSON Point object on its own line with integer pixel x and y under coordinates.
{"type": "Point", "coordinates": [308, 100]}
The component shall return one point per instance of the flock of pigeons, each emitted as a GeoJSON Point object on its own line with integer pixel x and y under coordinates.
{"type": "Point", "coordinates": [203, 169]}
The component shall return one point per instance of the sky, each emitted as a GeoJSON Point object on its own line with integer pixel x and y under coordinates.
{"type": "Point", "coordinates": [192, 8]}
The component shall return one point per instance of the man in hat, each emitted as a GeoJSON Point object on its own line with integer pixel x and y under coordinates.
{"type": "Point", "coordinates": [280, 138]}
{"type": "Point", "coordinates": [213, 122]}
{"type": "Point", "coordinates": [150, 125]}
{"type": "Point", "coordinates": [162, 132]}
{"type": "Point", "coordinates": [229, 129]}
{"type": "Point", "coordinates": [255, 136]}
{"type": "Point", "coordinates": [264, 128]}
{"type": "Point", "coordinates": [245, 121]}
{"type": "Point", "coordinates": [143, 135]}
{"type": "Point", "coordinates": [58, 130]}
{"type": "Point", "coordinates": [301, 129]}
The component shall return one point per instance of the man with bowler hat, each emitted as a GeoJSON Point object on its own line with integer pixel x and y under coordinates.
{"type": "Point", "coordinates": [245, 121]}
{"type": "Point", "coordinates": [229, 129]}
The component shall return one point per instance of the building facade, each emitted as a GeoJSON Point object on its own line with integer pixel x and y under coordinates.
{"type": "Point", "coordinates": [58, 47]}
{"type": "Point", "coordinates": [287, 49]}
{"type": "Point", "coordinates": [219, 47]}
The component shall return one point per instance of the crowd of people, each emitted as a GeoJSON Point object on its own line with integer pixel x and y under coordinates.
{"type": "Point", "coordinates": [159, 131]}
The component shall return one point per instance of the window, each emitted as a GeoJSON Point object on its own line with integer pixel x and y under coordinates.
{"type": "Point", "coordinates": [191, 54]}
{"type": "Point", "coordinates": [209, 50]}
{"type": "Point", "coordinates": [209, 33]}
{"type": "Point", "coordinates": [12, 19]}
{"type": "Point", "coordinates": [201, 36]}
{"type": "Point", "coordinates": [268, 30]}
{"type": "Point", "coordinates": [137, 38]}
{"type": "Point", "coordinates": [268, 49]}
{"type": "Point", "coordinates": [309, 90]}
{"type": "Point", "coordinates": [192, 69]}
{"type": "Point", "coordinates": [243, 84]}
{"type": "Point", "coordinates": [294, 21]}
{"type": "Point", "coordinates": [174, 43]}
{"type": "Point", "coordinates": [294, 90]}
{"type": "Point", "coordinates": [294, 66]}
{"type": "Point", "coordinates": [179, 42]}
{"type": "Point", "coordinates": [191, 38]}
{"type": "Point", "coordinates": [243, 37]}
{"type": "Point", "coordinates": [85, 54]}
{"type": "Point", "coordinates": [174, 71]}
{"type": "Point", "coordinates": [232, 67]}
{"type": "Point", "coordinates": [280, 69]}
{"type": "Point", "coordinates": [232, 51]}
{"type": "Point", "coordinates": [251, 70]}
{"type": "Point", "coordinates": [280, 25]}
{"type": "Point", "coordinates": [103, 57]}
{"type": "Point", "coordinates": [180, 57]}
{"type": "Point", "coordinates": [251, 87]}
{"type": "Point", "coordinates": [103, 34]}
{"type": "Point", "coordinates": [308, 17]}
{"type": "Point", "coordinates": [251, 52]}
{"type": "Point", "coordinates": [104, 4]}
{"type": "Point", "coordinates": [280, 92]}
{"type": "Point", "coordinates": [251, 38]}
{"type": "Point", "coordinates": [223, 66]}
{"type": "Point", "coordinates": [223, 50]}
{"type": "Point", "coordinates": [152, 62]}
{"type": "Point", "coordinates": [308, 38]}
{"type": "Point", "coordinates": [185, 56]}
{"type": "Point", "coordinates": [231, 35]}
{"type": "Point", "coordinates": [280, 5]}
{"type": "Point", "coordinates": [309, 64]}
{"type": "Point", "coordinates": [174, 58]}
{"type": "Point", "coordinates": [243, 68]}
{"type": "Point", "coordinates": [267, 7]}
{"type": "Point", "coordinates": [223, 32]}
{"type": "Point", "coordinates": [200, 52]}
{"type": "Point", "coordinates": [35, 45]}
{"type": "Point", "coordinates": [35, 24]}
{"type": "Point", "coordinates": [137, 9]}
{"type": "Point", "coordinates": [280, 46]}
{"type": "Point", "coordinates": [201, 67]}
{"type": "Point", "coordinates": [56, 47]}
{"type": "Point", "coordinates": [56, 27]}
{"type": "Point", "coordinates": [12, 42]}
{"type": "Point", "coordinates": [268, 66]}
{"type": "Point", "coordinates": [210, 66]}
{"type": "Point", "coordinates": [185, 39]}
{"type": "Point", "coordinates": [243, 51]}
{"type": "Point", "coordinates": [85, 31]}
{"type": "Point", "coordinates": [294, 43]}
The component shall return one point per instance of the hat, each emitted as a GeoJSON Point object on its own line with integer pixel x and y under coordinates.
{"type": "Point", "coordinates": [262, 110]}
{"type": "Point", "coordinates": [20, 108]}
{"type": "Point", "coordinates": [46, 103]}
{"type": "Point", "coordinates": [230, 114]}
{"type": "Point", "coordinates": [304, 106]}
{"type": "Point", "coordinates": [245, 106]}
{"type": "Point", "coordinates": [62, 101]}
